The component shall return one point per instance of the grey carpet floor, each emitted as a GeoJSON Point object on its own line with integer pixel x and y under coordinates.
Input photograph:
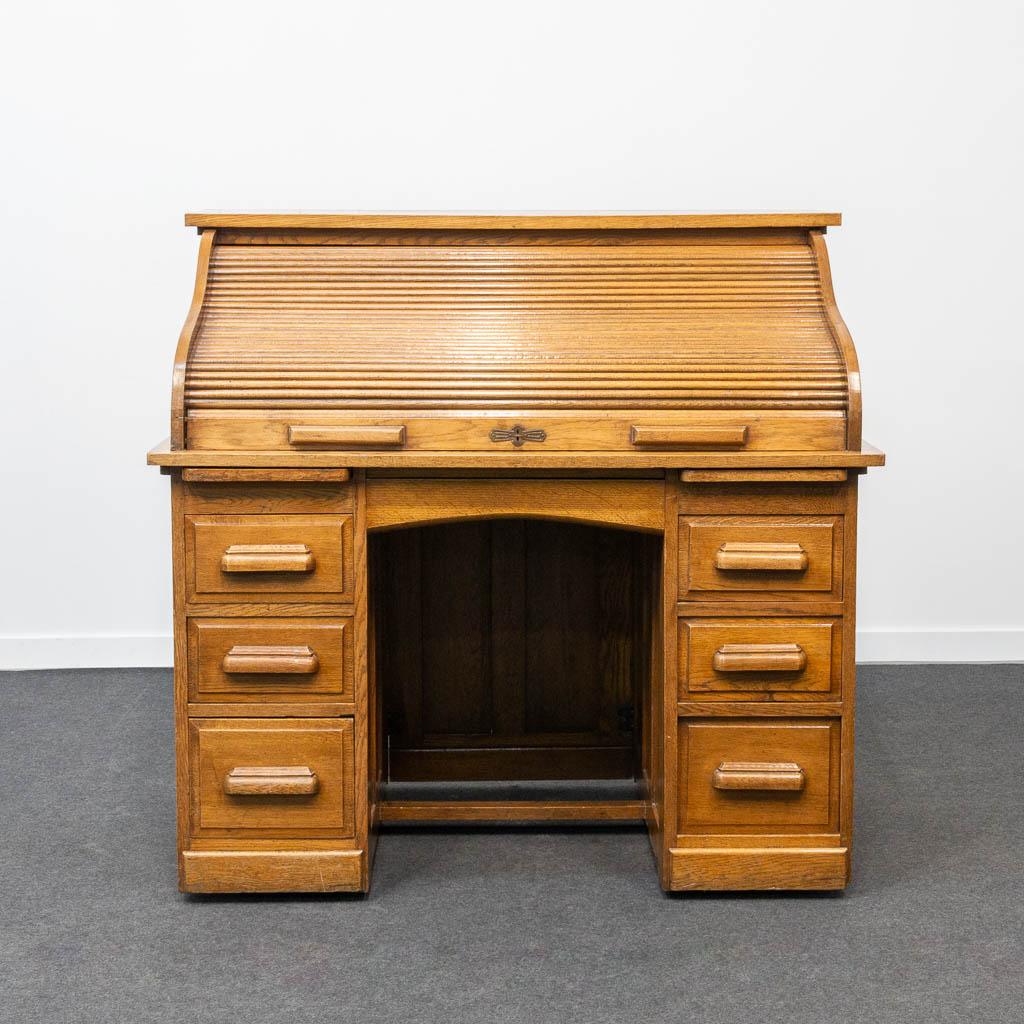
{"type": "Point", "coordinates": [532, 925]}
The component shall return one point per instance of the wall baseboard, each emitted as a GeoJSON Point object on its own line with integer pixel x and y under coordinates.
{"type": "Point", "coordinates": [877, 646]}
{"type": "Point", "coordinates": [940, 645]}
{"type": "Point", "coordinates": [42, 652]}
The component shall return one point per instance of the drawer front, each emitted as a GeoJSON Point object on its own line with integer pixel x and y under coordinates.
{"type": "Point", "coordinates": [543, 430]}
{"type": "Point", "coordinates": [759, 775]}
{"type": "Point", "coordinates": [272, 777]}
{"type": "Point", "coordinates": [759, 659]}
{"type": "Point", "coordinates": [744, 558]}
{"type": "Point", "coordinates": [270, 557]}
{"type": "Point", "coordinates": [270, 659]}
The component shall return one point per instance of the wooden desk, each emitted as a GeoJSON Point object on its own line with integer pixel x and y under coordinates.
{"type": "Point", "coordinates": [478, 499]}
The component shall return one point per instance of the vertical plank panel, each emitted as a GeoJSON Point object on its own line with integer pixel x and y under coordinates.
{"type": "Point", "coordinates": [456, 629]}
{"type": "Point", "coordinates": [511, 637]}
{"type": "Point", "coordinates": [644, 595]}
{"type": "Point", "coordinates": [616, 568]}
{"type": "Point", "coordinates": [399, 632]}
{"type": "Point", "coordinates": [509, 596]}
{"type": "Point", "coordinates": [562, 615]}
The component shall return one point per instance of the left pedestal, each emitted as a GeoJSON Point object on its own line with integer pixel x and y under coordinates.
{"type": "Point", "coordinates": [272, 719]}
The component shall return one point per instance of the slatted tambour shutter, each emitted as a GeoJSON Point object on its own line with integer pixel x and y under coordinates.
{"type": "Point", "coordinates": [699, 325]}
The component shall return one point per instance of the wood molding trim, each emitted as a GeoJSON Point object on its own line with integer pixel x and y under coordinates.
{"type": "Point", "coordinates": [165, 455]}
{"type": "Point", "coordinates": [628, 504]}
{"type": "Point", "coordinates": [843, 340]}
{"type": "Point", "coordinates": [510, 221]}
{"type": "Point", "coordinates": [273, 871]}
{"type": "Point", "coordinates": [717, 869]}
{"type": "Point", "coordinates": [185, 339]}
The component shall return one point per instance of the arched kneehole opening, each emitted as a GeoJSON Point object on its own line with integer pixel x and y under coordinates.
{"type": "Point", "coordinates": [512, 661]}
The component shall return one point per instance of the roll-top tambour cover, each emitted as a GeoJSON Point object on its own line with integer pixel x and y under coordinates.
{"type": "Point", "coordinates": [487, 334]}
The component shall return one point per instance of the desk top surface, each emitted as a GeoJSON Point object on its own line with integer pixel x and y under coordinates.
{"type": "Point", "coordinates": [529, 221]}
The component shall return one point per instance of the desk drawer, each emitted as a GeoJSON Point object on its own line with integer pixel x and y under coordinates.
{"type": "Point", "coordinates": [272, 777]}
{"type": "Point", "coordinates": [760, 659]}
{"type": "Point", "coordinates": [544, 430]}
{"type": "Point", "coordinates": [273, 557]}
{"type": "Point", "coordinates": [752, 558]}
{"type": "Point", "coordinates": [749, 775]}
{"type": "Point", "coordinates": [270, 659]}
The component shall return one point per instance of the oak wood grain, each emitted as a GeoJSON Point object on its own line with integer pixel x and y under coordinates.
{"type": "Point", "coordinates": [261, 706]}
{"type": "Point", "coordinates": [392, 327]}
{"type": "Point", "coordinates": [689, 437]}
{"type": "Point", "coordinates": [618, 537]}
{"type": "Point", "coordinates": [725, 558]}
{"type": "Point", "coordinates": [761, 476]}
{"type": "Point", "coordinates": [786, 657]}
{"type": "Point", "coordinates": [511, 648]}
{"type": "Point", "coordinates": [264, 659]}
{"type": "Point", "coordinates": [784, 776]}
{"type": "Point", "coordinates": [267, 558]}
{"type": "Point", "coordinates": [544, 430]}
{"type": "Point", "coordinates": [273, 556]}
{"type": "Point", "coordinates": [758, 869]}
{"type": "Point", "coordinates": [635, 504]}
{"type": "Point", "coordinates": [226, 871]}
{"type": "Point", "coordinates": [615, 811]}
{"type": "Point", "coordinates": [265, 476]}
{"type": "Point", "coordinates": [162, 455]}
{"type": "Point", "coordinates": [264, 780]}
{"type": "Point", "coordinates": [707, 807]}
{"type": "Point", "coordinates": [342, 436]}
{"type": "Point", "coordinates": [323, 747]}
{"type": "Point", "coordinates": [187, 338]}
{"type": "Point", "coordinates": [506, 221]}
{"type": "Point", "coordinates": [843, 340]}
{"type": "Point", "coordinates": [759, 658]}
{"type": "Point", "coordinates": [761, 556]}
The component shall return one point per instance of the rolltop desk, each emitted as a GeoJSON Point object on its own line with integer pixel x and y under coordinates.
{"type": "Point", "coordinates": [535, 500]}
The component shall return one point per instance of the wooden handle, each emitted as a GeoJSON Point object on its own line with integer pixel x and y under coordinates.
{"type": "Point", "coordinates": [759, 658]}
{"type": "Point", "coordinates": [369, 436]}
{"type": "Point", "coordinates": [268, 558]}
{"type": "Point", "coordinates": [276, 661]}
{"type": "Point", "coordinates": [689, 437]}
{"type": "Point", "coordinates": [755, 775]}
{"type": "Point", "coordinates": [762, 476]}
{"type": "Point", "coordinates": [749, 556]}
{"type": "Point", "coordinates": [271, 782]}
{"type": "Point", "coordinates": [265, 476]}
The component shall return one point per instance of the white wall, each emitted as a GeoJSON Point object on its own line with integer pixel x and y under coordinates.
{"type": "Point", "coordinates": [118, 118]}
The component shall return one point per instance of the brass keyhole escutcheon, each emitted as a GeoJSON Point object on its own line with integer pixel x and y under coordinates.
{"type": "Point", "coordinates": [518, 435]}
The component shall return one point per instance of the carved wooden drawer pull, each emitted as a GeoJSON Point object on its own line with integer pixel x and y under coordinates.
{"type": "Point", "coordinates": [370, 436]}
{"type": "Point", "coordinates": [271, 782]}
{"type": "Point", "coordinates": [757, 775]}
{"type": "Point", "coordinates": [268, 558]}
{"type": "Point", "coordinates": [752, 556]}
{"type": "Point", "coordinates": [689, 437]}
{"type": "Point", "coordinates": [759, 658]}
{"type": "Point", "coordinates": [284, 661]}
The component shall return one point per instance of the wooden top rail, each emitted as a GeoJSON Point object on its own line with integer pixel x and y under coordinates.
{"type": "Point", "coordinates": [164, 455]}
{"type": "Point", "coordinates": [510, 221]}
